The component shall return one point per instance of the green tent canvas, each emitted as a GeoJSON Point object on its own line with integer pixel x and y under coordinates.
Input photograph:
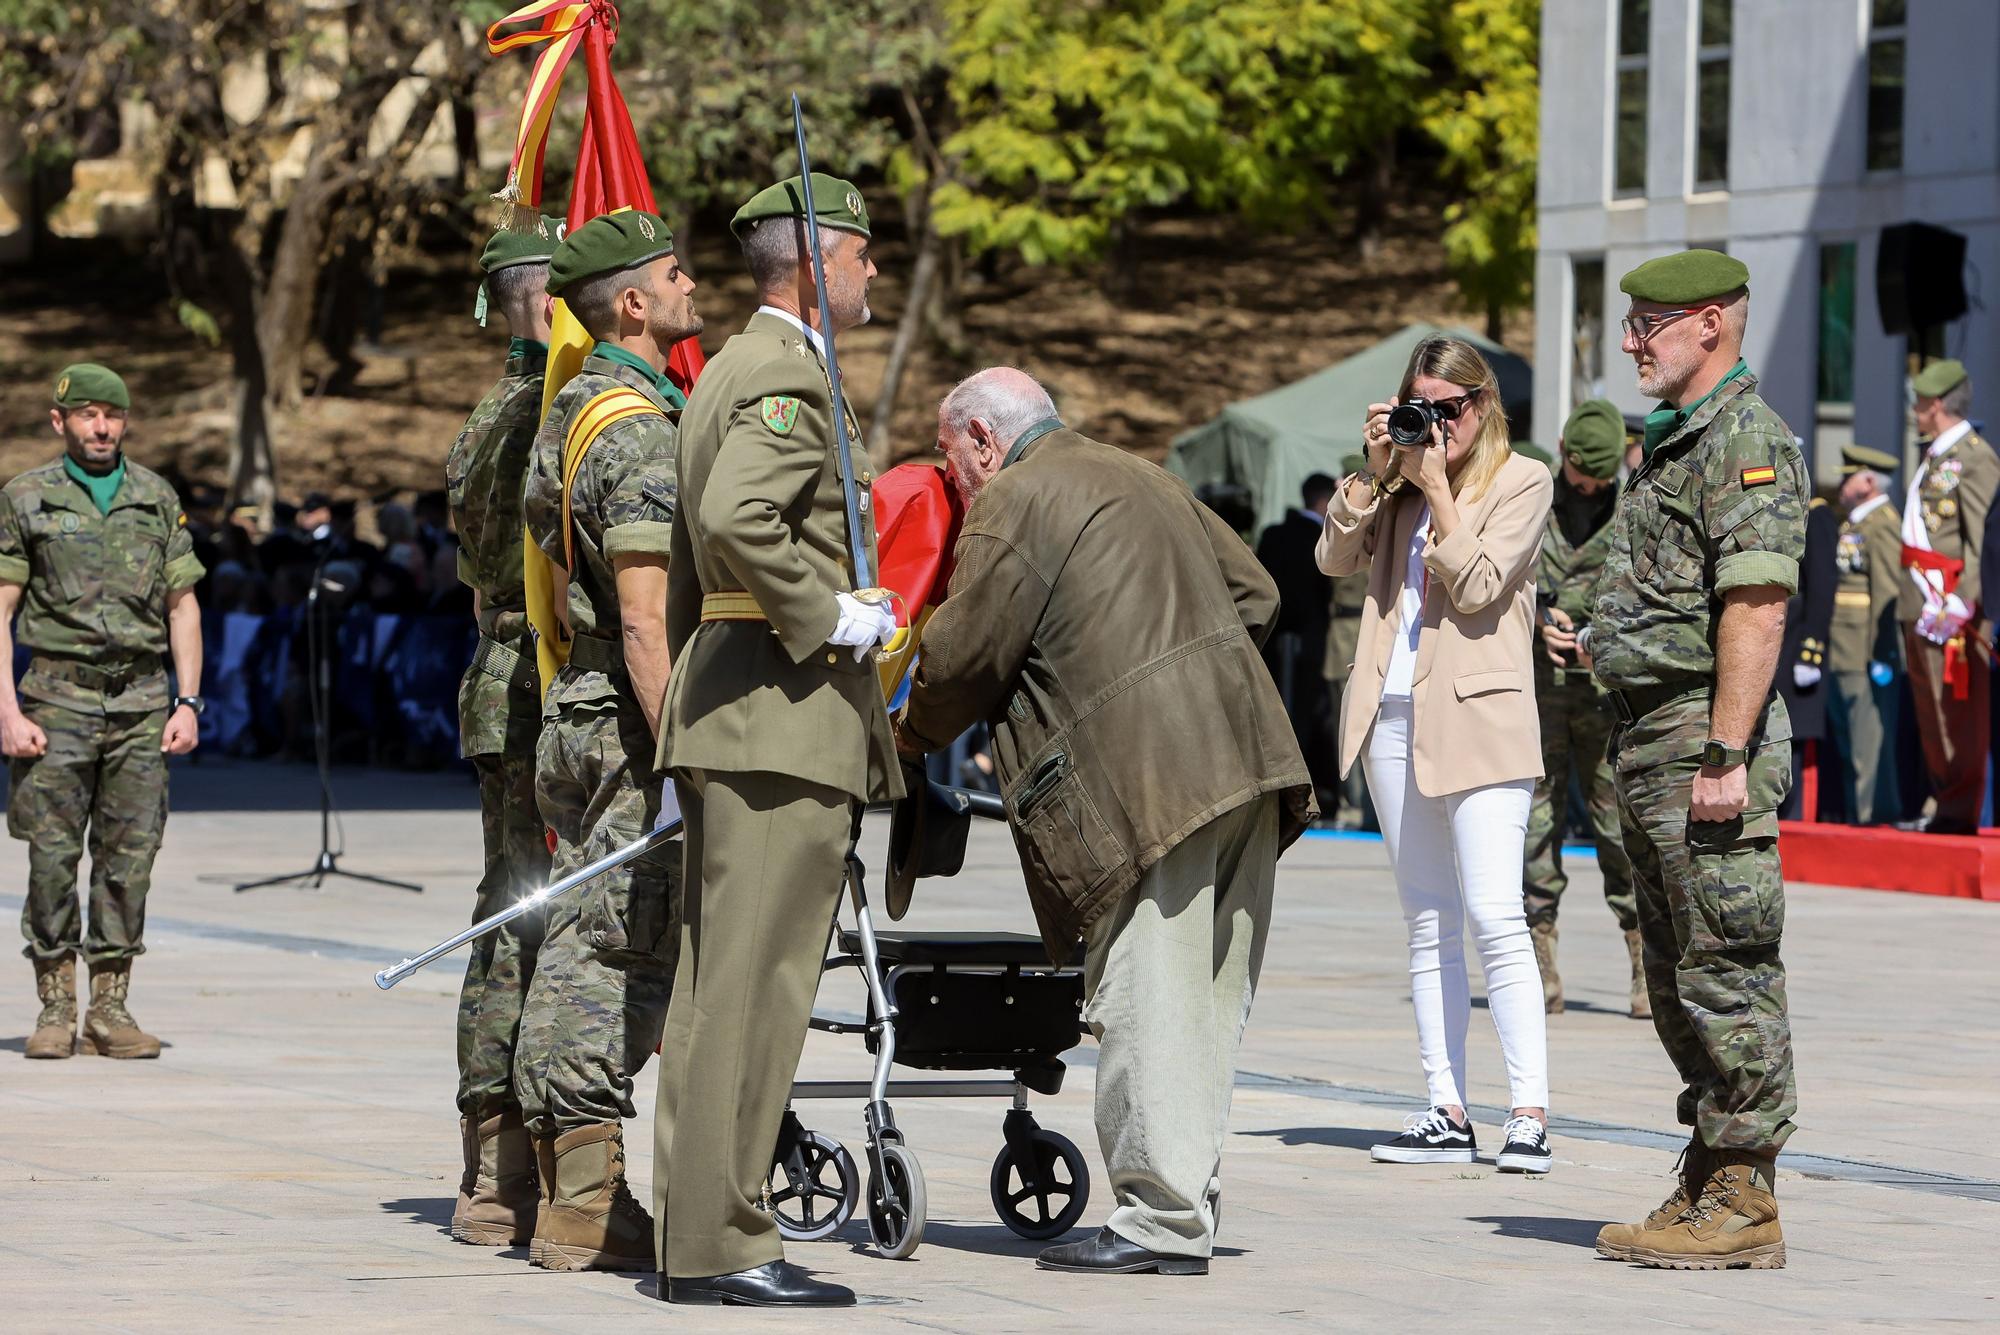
{"type": "Point", "coordinates": [1268, 445]}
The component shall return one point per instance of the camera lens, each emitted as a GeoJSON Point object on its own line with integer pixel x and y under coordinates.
{"type": "Point", "coordinates": [1410, 423]}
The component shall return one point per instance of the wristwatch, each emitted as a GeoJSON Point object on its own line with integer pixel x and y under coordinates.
{"type": "Point", "coordinates": [194, 702]}
{"type": "Point", "coordinates": [1717, 756]}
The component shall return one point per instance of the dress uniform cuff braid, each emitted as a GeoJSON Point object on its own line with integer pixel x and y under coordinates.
{"type": "Point", "coordinates": [13, 570]}
{"type": "Point", "coordinates": [184, 572]}
{"type": "Point", "coordinates": [1742, 570]}
{"type": "Point", "coordinates": [644, 537]}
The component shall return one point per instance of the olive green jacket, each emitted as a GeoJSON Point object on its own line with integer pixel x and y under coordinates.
{"type": "Point", "coordinates": [1953, 495]}
{"type": "Point", "coordinates": [1107, 624]}
{"type": "Point", "coordinates": [761, 512]}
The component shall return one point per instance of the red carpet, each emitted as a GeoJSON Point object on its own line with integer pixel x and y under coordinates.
{"type": "Point", "coordinates": [1881, 858]}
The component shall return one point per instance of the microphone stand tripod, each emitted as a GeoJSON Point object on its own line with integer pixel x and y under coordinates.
{"type": "Point", "coordinates": [320, 690]}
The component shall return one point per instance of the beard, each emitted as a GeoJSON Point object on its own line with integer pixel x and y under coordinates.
{"type": "Point", "coordinates": [670, 322]}
{"type": "Point", "coordinates": [1668, 373]}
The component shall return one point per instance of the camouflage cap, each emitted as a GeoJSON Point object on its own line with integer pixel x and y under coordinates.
{"type": "Point", "coordinates": [608, 243]}
{"type": "Point", "coordinates": [1593, 438]}
{"type": "Point", "coordinates": [87, 382]}
{"type": "Point", "coordinates": [836, 203]}
{"type": "Point", "coordinates": [1692, 275]}
{"type": "Point", "coordinates": [1938, 378]}
{"type": "Point", "coordinates": [1855, 458]}
{"type": "Point", "coordinates": [509, 246]}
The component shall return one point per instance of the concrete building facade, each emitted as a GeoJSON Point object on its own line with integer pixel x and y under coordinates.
{"type": "Point", "coordinates": [1789, 133]}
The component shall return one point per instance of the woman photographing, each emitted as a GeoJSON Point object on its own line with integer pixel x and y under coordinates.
{"type": "Point", "coordinates": [1447, 520]}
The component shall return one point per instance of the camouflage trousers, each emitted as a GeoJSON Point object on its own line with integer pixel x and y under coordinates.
{"type": "Point", "coordinates": [502, 962]}
{"type": "Point", "coordinates": [104, 777]}
{"type": "Point", "coordinates": [1711, 904]}
{"type": "Point", "coordinates": [597, 1002]}
{"type": "Point", "coordinates": [1576, 732]}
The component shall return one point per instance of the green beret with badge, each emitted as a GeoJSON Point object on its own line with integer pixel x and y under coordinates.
{"type": "Point", "coordinates": [1593, 439]}
{"type": "Point", "coordinates": [836, 203]}
{"type": "Point", "coordinates": [1859, 458]}
{"type": "Point", "coordinates": [512, 246]}
{"type": "Point", "coordinates": [609, 243]}
{"type": "Point", "coordinates": [87, 382]}
{"type": "Point", "coordinates": [1939, 378]}
{"type": "Point", "coordinates": [1690, 276]}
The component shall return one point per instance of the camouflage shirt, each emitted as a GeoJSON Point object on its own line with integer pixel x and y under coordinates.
{"type": "Point", "coordinates": [621, 501]}
{"type": "Point", "coordinates": [483, 476]}
{"type": "Point", "coordinates": [1718, 505]}
{"type": "Point", "coordinates": [95, 585]}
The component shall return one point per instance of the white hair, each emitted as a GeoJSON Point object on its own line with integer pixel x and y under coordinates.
{"type": "Point", "coordinates": [1007, 400]}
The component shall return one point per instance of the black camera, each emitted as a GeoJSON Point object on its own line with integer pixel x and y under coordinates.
{"type": "Point", "coordinates": [1410, 422]}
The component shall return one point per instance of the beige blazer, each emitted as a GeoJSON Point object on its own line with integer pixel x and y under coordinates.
{"type": "Point", "coordinates": [1473, 691]}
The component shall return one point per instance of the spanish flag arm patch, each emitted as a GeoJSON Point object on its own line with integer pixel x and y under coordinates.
{"type": "Point", "coordinates": [1759, 477]}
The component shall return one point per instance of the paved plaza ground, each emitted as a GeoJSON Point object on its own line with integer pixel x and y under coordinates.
{"type": "Point", "coordinates": [292, 1157]}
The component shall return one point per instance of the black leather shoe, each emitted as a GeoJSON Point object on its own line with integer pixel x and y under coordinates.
{"type": "Point", "coordinates": [778, 1284]}
{"type": "Point", "coordinates": [1109, 1254]}
{"type": "Point", "coordinates": [1935, 825]}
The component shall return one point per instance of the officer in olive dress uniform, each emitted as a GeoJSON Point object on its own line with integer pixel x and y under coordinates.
{"type": "Point", "coordinates": [1865, 652]}
{"type": "Point", "coordinates": [1802, 657]}
{"type": "Point", "coordinates": [499, 718]}
{"type": "Point", "coordinates": [1940, 606]}
{"type": "Point", "coordinates": [1688, 619]}
{"type": "Point", "coordinates": [775, 730]}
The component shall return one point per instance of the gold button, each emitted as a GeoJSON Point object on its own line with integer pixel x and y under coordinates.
{"type": "Point", "coordinates": [832, 658]}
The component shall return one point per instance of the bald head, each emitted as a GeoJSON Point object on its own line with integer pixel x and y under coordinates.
{"type": "Point", "coordinates": [982, 417]}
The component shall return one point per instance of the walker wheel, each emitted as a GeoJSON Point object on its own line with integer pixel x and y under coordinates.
{"type": "Point", "coordinates": [1047, 1201]}
{"type": "Point", "coordinates": [896, 1205]}
{"type": "Point", "coordinates": [814, 1189]}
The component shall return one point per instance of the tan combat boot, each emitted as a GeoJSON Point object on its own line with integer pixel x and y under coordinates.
{"type": "Point", "coordinates": [498, 1194]}
{"type": "Point", "coordinates": [1690, 1171]}
{"type": "Point", "coordinates": [108, 1028]}
{"type": "Point", "coordinates": [1642, 997]}
{"type": "Point", "coordinates": [589, 1219]}
{"type": "Point", "coordinates": [55, 1027]}
{"type": "Point", "coordinates": [1545, 959]}
{"type": "Point", "coordinates": [1732, 1225]}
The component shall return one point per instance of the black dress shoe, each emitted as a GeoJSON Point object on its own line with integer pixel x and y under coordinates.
{"type": "Point", "coordinates": [777, 1284]}
{"type": "Point", "coordinates": [1935, 825]}
{"type": "Point", "coordinates": [1109, 1254]}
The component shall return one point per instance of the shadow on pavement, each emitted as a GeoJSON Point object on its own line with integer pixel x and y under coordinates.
{"type": "Point", "coordinates": [434, 1211]}
{"type": "Point", "coordinates": [1341, 1137]}
{"type": "Point", "coordinates": [1571, 1232]}
{"type": "Point", "coordinates": [981, 1239]}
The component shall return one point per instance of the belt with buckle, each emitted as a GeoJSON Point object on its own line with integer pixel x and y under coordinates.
{"type": "Point", "coordinates": [94, 676]}
{"type": "Point", "coordinates": [592, 653]}
{"type": "Point", "coordinates": [731, 605]}
{"type": "Point", "coordinates": [505, 662]}
{"type": "Point", "coordinates": [1636, 702]}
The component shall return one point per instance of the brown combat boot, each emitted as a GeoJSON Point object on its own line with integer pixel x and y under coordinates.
{"type": "Point", "coordinates": [55, 1027]}
{"type": "Point", "coordinates": [1642, 998]}
{"type": "Point", "coordinates": [1732, 1225]}
{"type": "Point", "coordinates": [108, 1028]}
{"type": "Point", "coordinates": [498, 1194]}
{"type": "Point", "coordinates": [589, 1219]}
{"type": "Point", "coordinates": [1545, 959]}
{"type": "Point", "coordinates": [1690, 1171]}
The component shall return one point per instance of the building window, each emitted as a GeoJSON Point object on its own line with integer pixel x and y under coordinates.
{"type": "Point", "coordinates": [1711, 153]}
{"type": "Point", "coordinates": [1587, 330]}
{"type": "Point", "coordinates": [1886, 46]}
{"type": "Point", "coordinates": [1628, 153]}
{"type": "Point", "coordinates": [1836, 323]}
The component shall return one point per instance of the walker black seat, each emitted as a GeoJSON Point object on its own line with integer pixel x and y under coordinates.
{"type": "Point", "coordinates": [972, 950]}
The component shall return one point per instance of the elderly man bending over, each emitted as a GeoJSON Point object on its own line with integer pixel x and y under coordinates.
{"type": "Point", "coordinates": [1107, 625]}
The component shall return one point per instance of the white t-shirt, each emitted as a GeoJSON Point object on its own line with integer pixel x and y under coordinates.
{"type": "Point", "coordinates": [1409, 613]}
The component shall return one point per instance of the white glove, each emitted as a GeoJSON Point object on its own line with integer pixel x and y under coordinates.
{"type": "Point", "coordinates": [1953, 617]}
{"type": "Point", "coordinates": [670, 806]}
{"type": "Point", "coordinates": [862, 626]}
{"type": "Point", "coordinates": [1805, 676]}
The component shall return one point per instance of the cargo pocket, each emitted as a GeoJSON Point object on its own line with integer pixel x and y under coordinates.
{"type": "Point", "coordinates": [629, 917]}
{"type": "Point", "coordinates": [1067, 844]}
{"type": "Point", "coordinates": [1738, 896]}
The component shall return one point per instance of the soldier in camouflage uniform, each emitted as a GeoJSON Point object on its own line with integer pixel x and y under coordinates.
{"type": "Point", "coordinates": [96, 557]}
{"type": "Point", "coordinates": [499, 717]}
{"type": "Point", "coordinates": [1576, 717]}
{"type": "Point", "coordinates": [1688, 621]}
{"type": "Point", "coordinates": [599, 505]}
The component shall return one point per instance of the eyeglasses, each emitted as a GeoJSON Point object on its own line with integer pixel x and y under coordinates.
{"type": "Point", "coordinates": [1643, 327]}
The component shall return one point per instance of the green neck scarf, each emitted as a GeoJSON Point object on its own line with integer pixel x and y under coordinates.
{"type": "Point", "coordinates": [666, 388]}
{"type": "Point", "coordinates": [103, 490]}
{"type": "Point", "coordinates": [1663, 421]}
{"type": "Point", "coordinates": [528, 348]}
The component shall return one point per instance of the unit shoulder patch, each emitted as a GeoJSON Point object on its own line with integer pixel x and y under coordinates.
{"type": "Point", "coordinates": [781, 413]}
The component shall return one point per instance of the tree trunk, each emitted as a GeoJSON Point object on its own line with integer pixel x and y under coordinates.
{"type": "Point", "coordinates": [285, 323]}
{"type": "Point", "coordinates": [252, 464]}
{"type": "Point", "coordinates": [1372, 208]}
{"type": "Point", "coordinates": [1493, 321]}
{"type": "Point", "coordinates": [909, 327]}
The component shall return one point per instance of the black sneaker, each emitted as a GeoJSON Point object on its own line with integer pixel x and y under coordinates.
{"type": "Point", "coordinates": [1428, 1137]}
{"type": "Point", "coordinates": [1526, 1149]}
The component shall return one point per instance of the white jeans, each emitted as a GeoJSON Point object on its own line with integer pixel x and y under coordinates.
{"type": "Point", "coordinates": [1457, 857]}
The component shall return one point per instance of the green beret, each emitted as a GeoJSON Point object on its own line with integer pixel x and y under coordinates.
{"type": "Point", "coordinates": [1351, 464]}
{"type": "Point", "coordinates": [1533, 451]}
{"type": "Point", "coordinates": [1593, 439]}
{"type": "Point", "coordinates": [508, 247]}
{"type": "Point", "coordinates": [1692, 275]}
{"type": "Point", "coordinates": [87, 382]}
{"type": "Point", "coordinates": [608, 243]}
{"type": "Point", "coordinates": [1939, 378]}
{"type": "Point", "coordinates": [1857, 457]}
{"type": "Point", "coordinates": [836, 203]}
